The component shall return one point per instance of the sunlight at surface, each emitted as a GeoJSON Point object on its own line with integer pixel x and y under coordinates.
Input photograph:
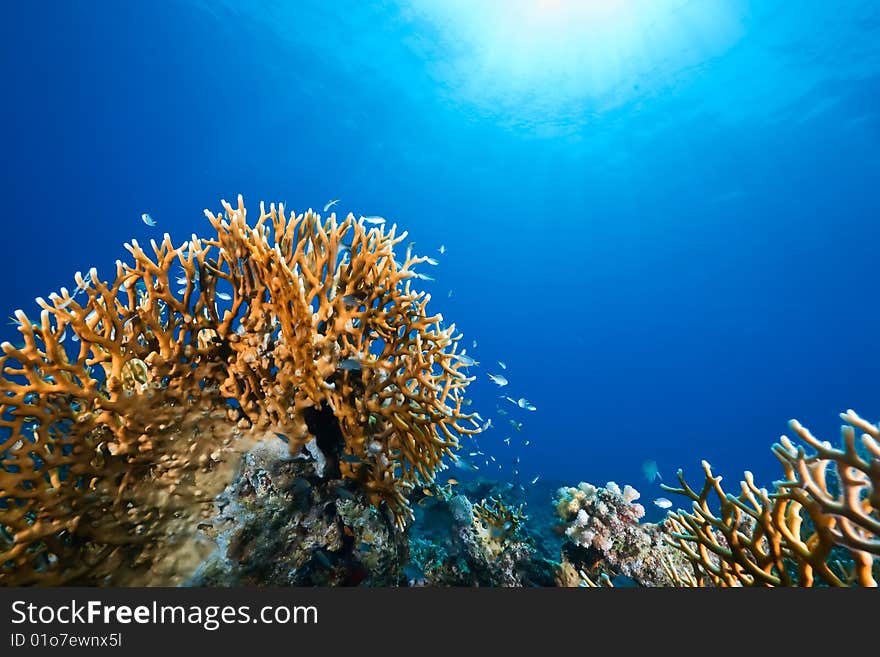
{"type": "Point", "coordinates": [570, 56]}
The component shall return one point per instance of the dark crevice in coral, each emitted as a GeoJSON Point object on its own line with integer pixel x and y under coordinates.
{"type": "Point", "coordinates": [324, 426]}
{"type": "Point", "coordinates": [583, 558]}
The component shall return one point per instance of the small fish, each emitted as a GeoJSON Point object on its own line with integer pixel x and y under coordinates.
{"type": "Point", "coordinates": [351, 300]}
{"type": "Point", "coordinates": [452, 482]}
{"type": "Point", "coordinates": [524, 403]}
{"type": "Point", "coordinates": [375, 221]}
{"type": "Point", "coordinates": [487, 425]}
{"type": "Point", "coordinates": [502, 364]}
{"type": "Point", "coordinates": [182, 280]}
{"type": "Point", "coordinates": [350, 365]}
{"type": "Point", "coordinates": [535, 480]}
{"type": "Point", "coordinates": [147, 219]}
{"type": "Point", "coordinates": [442, 249]}
{"type": "Point", "coordinates": [663, 503]}
{"type": "Point", "coordinates": [507, 441]}
{"type": "Point", "coordinates": [493, 459]}
{"type": "Point", "coordinates": [501, 411]}
{"type": "Point", "coordinates": [498, 380]}
{"type": "Point", "coordinates": [74, 337]}
{"type": "Point", "coordinates": [224, 296]}
{"type": "Point", "coordinates": [474, 344]}
{"type": "Point", "coordinates": [425, 277]}
{"type": "Point", "coordinates": [516, 425]}
{"type": "Point", "coordinates": [330, 204]}
{"type": "Point", "coordinates": [527, 443]}
{"type": "Point", "coordinates": [472, 453]}
{"type": "Point", "coordinates": [428, 492]}
{"type": "Point", "coordinates": [63, 336]}
{"type": "Point", "coordinates": [374, 447]}
{"type": "Point", "coordinates": [466, 360]}
{"type": "Point", "coordinates": [431, 261]}
{"type": "Point", "coordinates": [650, 471]}
{"type": "Point", "coordinates": [449, 294]}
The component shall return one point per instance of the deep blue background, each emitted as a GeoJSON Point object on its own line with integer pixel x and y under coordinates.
{"type": "Point", "coordinates": [671, 278]}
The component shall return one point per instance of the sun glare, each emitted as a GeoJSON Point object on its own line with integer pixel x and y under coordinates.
{"type": "Point", "coordinates": [552, 54]}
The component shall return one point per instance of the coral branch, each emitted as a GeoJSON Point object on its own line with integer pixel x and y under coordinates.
{"type": "Point", "coordinates": [114, 442]}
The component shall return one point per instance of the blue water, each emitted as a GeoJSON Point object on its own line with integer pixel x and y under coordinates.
{"type": "Point", "coordinates": [663, 216]}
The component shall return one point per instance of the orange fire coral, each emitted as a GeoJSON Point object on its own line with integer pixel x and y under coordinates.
{"type": "Point", "coordinates": [114, 442]}
{"type": "Point", "coordinates": [821, 524]}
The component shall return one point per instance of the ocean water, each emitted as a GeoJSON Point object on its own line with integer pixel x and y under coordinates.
{"type": "Point", "coordinates": [661, 215]}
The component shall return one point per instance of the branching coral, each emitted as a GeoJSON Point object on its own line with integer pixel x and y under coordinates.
{"type": "Point", "coordinates": [114, 442]}
{"type": "Point", "coordinates": [496, 523]}
{"type": "Point", "coordinates": [820, 525]}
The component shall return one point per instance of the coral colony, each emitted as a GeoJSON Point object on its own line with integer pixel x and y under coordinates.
{"type": "Point", "coordinates": [273, 404]}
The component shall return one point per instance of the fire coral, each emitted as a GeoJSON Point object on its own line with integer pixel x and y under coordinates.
{"type": "Point", "coordinates": [819, 526]}
{"type": "Point", "coordinates": [115, 441]}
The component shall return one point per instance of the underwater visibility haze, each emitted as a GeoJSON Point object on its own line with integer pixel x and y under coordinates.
{"type": "Point", "coordinates": [655, 222]}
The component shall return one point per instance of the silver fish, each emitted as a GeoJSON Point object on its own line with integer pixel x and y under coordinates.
{"type": "Point", "coordinates": [498, 380]}
{"type": "Point", "coordinates": [375, 221]}
{"type": "Point", "coordinates": [535, 480]}
{"type": "Point", "coordinates": [502, 364]}
{"type": "Point", "coordinates": [350, 364]}
{"type": "Point", "coordinates": [442, 249]}
{"type": "Point", "coordinates": [330, 204]}
{"type": "Point", "coordinates": [650, 471]}
{"type": "Point", "coordinates": [524, 403]}
{"type": "Point", "coordinates": [663, 503]}
{"type": "Point", "coordinates": [224, 296]}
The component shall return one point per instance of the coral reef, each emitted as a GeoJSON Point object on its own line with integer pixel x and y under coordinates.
{"type": "Point", "coordinates": [605, 538]}
{"type": "Point", "coordinates": [819, 526]}
{"type": "Point", "coordinates": [457, 543]}
{"type": "Point", "coordinates": [115, 442]}
{"type": "Point", "coordinates": [497, 524]}
{"type": "Point", "coordinates": [280, 523]}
